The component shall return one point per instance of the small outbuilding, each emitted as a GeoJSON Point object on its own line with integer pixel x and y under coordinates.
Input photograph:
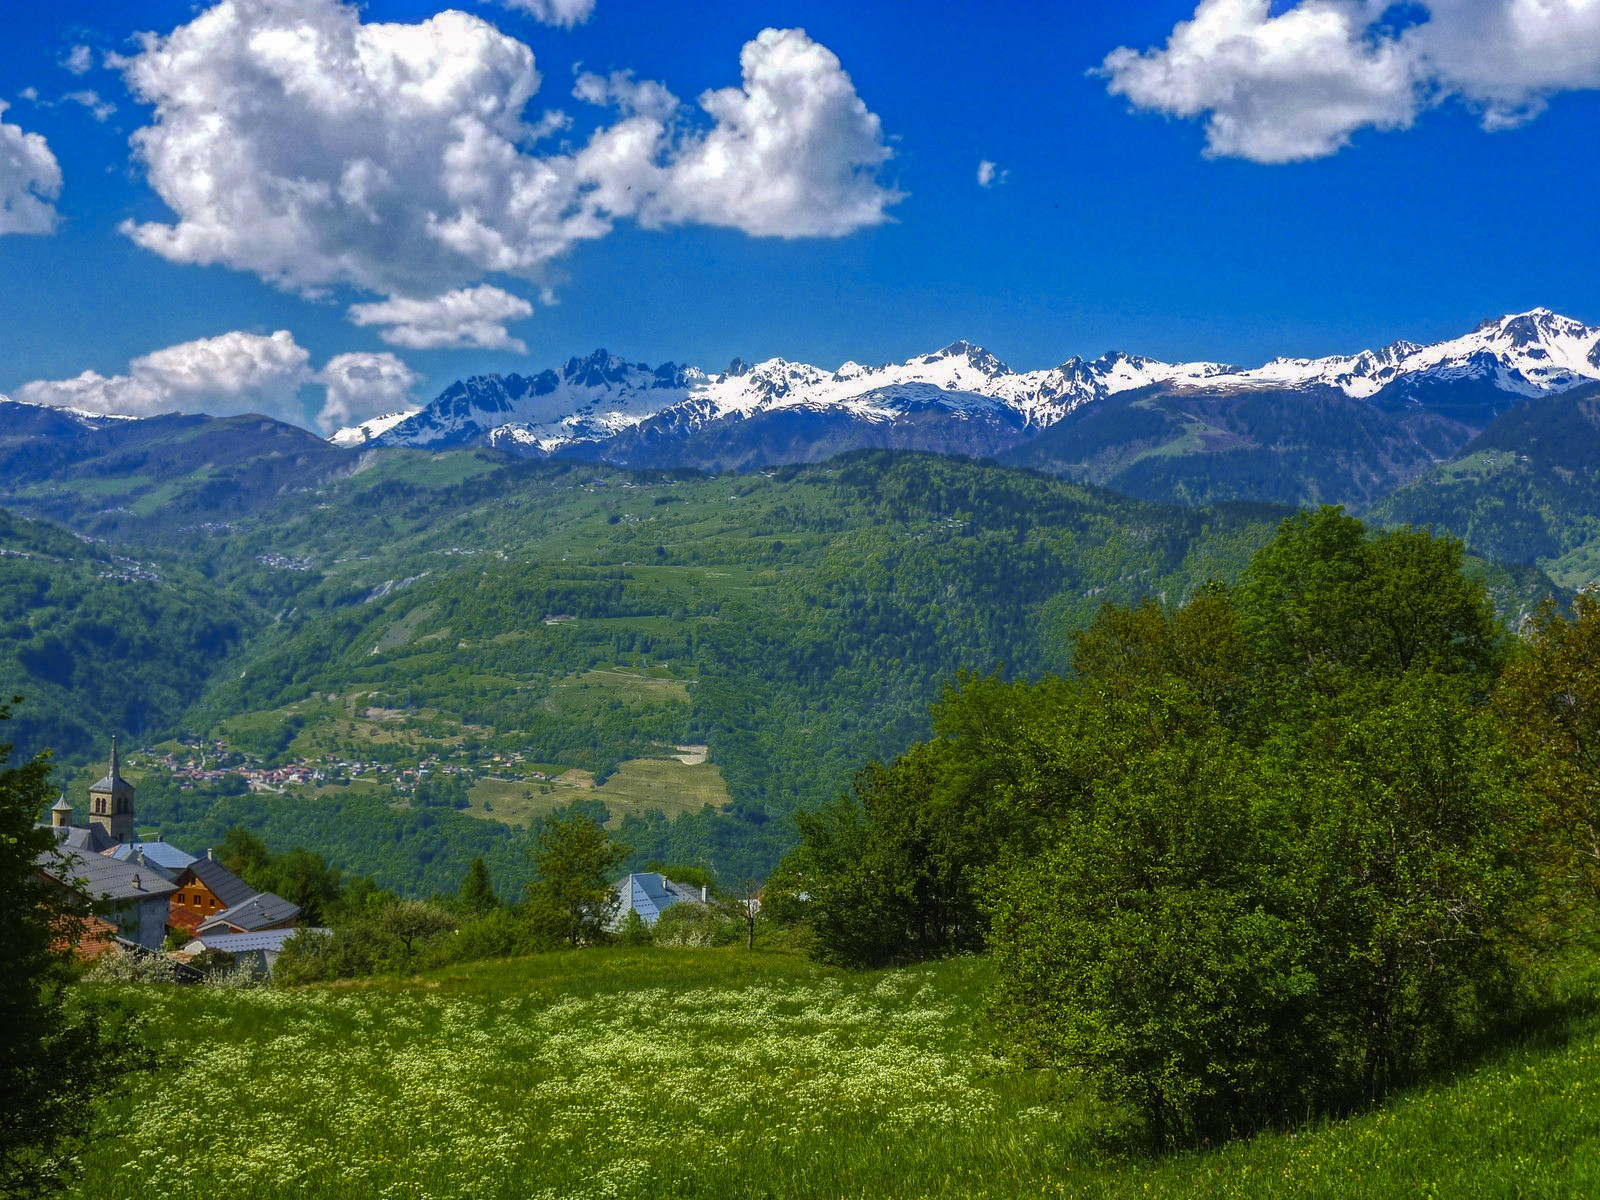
{"type": "Point", "coordinates": [260, 949]}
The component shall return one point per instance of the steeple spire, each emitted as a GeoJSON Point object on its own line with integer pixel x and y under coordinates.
{"type": "Point", "coordinates": [111, 801]}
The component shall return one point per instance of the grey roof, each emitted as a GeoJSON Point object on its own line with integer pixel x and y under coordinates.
{"type": "Point", "coordinates": [227, 887]}
{"type": "Point", "coordinates": [103, 878]}
{"type": "Point", "coordinates": [649, 893]}
{"type": "Point", "coordinates": [235, 943]}
{"type": "Point", "coordinates": [61, 805]}
{"type": "Point", "coordinates": [86, 839]}
{"type": "Point", "coordinates": [161, 854]}
{"type": "Point", "coordinates": [256, 913]}
{"type": "Point", "coordinates": [113, 781]}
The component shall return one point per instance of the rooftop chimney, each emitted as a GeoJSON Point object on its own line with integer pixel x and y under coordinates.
{"type": "Point", "coordinates": [138, 884]}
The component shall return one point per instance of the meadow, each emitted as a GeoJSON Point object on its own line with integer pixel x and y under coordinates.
{"type": "Point", "coordinates": [619, 1073]}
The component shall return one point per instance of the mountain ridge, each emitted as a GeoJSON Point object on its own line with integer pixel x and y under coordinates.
{"type": "Point", "coordinates": [591, 401]}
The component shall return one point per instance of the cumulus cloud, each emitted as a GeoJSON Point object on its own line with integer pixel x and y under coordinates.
{"type": "Point", "coordinates": [990, 174]}
{"type": "Point", "coordinates": [792, 152]}
{"type": "Point", "coordinates": [467, 317]}
{"type": "Point", "coordinates": [635, 97]}
{"type": "Point", "coordinates": [555, 12]}
{"type": "Point", "coordinates": [293, 140]}
{"type": "Point", "coordinates": [233, 373]}
{"type": "Point", "coordinates": [1298, 84]}
{"type": "Point", "coordinates": [78, 60]}
{"type": "Point", "coordinates": [99, 107]}
{"type": "Point", "coordinates": [359, 387]}
{"type": "Point", "coordinates": [30, 180]}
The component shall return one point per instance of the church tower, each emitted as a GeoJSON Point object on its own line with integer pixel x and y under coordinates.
{"type": "Point", "coordinates": [111, 803]}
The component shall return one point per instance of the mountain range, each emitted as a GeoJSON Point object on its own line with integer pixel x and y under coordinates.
{"type": "Point", "coordinates": [1493, 436]}
{"type": "Point", "coordinates": [1424, 400]}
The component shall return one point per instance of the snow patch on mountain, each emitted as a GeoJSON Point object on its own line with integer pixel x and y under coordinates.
{"type": "Point", "coordinates": [356, 435]}
{"type": "Point", "coordinates": [595, 398]}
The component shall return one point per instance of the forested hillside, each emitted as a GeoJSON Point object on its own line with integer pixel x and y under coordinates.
{"type": "Point", "coordinates": [459, 637]}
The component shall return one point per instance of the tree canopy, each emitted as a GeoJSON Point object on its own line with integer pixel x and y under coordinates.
{"type": "Point", "coordinates": [572, 900]}
{"type": "Point", "coordinates": [1265, 852]}
{"type": "Point", "coordinates": [56, 1057]}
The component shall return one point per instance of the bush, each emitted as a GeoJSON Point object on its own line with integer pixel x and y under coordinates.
{"type": "Point", "coordinates": [125, 967]}
{"type": "Point", "coordinates": [501, 933]}
{"type": "Point", "coordinates": [1293, 875]}
{"type": "Point", "coordinates": [687, 924]}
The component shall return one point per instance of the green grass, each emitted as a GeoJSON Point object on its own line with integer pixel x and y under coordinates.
{"type": "Point", "coordinates": [717, 1073]}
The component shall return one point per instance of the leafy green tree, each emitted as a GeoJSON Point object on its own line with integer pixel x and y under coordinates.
{"type": "Point", "coordinates": [1284, 875]}
{"type": "Point", "coordinates": [477, 895]}
{"type": "Point", "coordinates": [57, 1060]}
{"type": "Point", "coordinates": [1148, 948]}
{"type": "Point", "coordinates": [411, 923]}
{"type": "Point", "coordinates": [572, 899]}
{"type": "Point", "coordinates": [243, 852]}
{"type": "Point", "coordinates": [1548, 701]}
{"type": "Point", "coordinates": [1323, 599]}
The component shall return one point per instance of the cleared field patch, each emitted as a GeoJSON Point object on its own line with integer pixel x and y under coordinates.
{"type": "Point", "coordinates": [639, 785]}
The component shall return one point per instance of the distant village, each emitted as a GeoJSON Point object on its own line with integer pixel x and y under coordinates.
{"type": "Point", "coordinates": [214, 761]}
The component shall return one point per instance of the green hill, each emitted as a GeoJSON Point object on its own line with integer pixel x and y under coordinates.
{"type": "Point", "coordinates": [1527, 490]}
{"type": "Point", "coordinates": [455, 638]}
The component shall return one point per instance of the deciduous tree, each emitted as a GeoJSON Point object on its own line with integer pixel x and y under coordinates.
{"type": "Point", "coordinates": [572, 900]}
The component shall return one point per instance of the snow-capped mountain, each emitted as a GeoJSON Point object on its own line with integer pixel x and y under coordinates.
{"type": "Point", "coordinates": [1527, 353]}
{"type": "Point", "coordinates": [593, 400]}
{"type": "Point", "coordinates": [357, 435]}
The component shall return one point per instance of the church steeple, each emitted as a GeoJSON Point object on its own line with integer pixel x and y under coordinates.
{"type": "Point", "coordinates": [111, 802]}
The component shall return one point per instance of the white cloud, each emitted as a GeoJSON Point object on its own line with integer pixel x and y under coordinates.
{"type": "Point", "coordinates": [362, 386]}
{"type": "Point", "coordinates": [99, 108]}
{"type": "Point", "coordinates": [990, 174]}
{"type": "Point", "coordinates": [233, 373]}
{"type": "Point", "coordinates": [474, 317]}
{"type": "Point", "coordinates": [30, 180]}
{"type": "Point", "coordinates": [79, 60]}
{"type": "Point", "coordinates": [294, 141]}
{"type": "Point", "coordinates": [793, 152]}
{"type": "Point", "coordinates": [1297, 85]}
{"type": "Point", "coordinates": [555, 12]}
{"type": "Point", "coordinates": [635, 97]}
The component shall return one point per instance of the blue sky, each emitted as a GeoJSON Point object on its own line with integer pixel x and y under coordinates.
{"type": "Point", "coordinates": [1113, 221]}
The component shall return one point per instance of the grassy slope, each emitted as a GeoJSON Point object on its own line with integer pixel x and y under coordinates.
{"type": "Point", "coordinates": [649, 1073]}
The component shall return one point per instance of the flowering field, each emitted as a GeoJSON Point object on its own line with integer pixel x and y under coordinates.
{"type": "Point", "coordinates": [668, 1074]}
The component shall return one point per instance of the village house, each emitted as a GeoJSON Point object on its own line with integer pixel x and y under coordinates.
{"type": "Point", "coordinates": [208, 893]}
{"type": "Point", "coordinates": [649, 894]}
{"type": "Point", "coordinates": [259, 950]}
{"type": "Point", "coordinates": [257, 914]}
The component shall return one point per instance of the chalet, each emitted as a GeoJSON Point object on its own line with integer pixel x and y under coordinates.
{"type": "Point", "coordinates": [206, 888]}
{"type": "Point", "coordinates": [132, 898]}
{"type": "Point", "coordinates": [257, 914]}
{"type": "Point", "coordinates": [649, 894]}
